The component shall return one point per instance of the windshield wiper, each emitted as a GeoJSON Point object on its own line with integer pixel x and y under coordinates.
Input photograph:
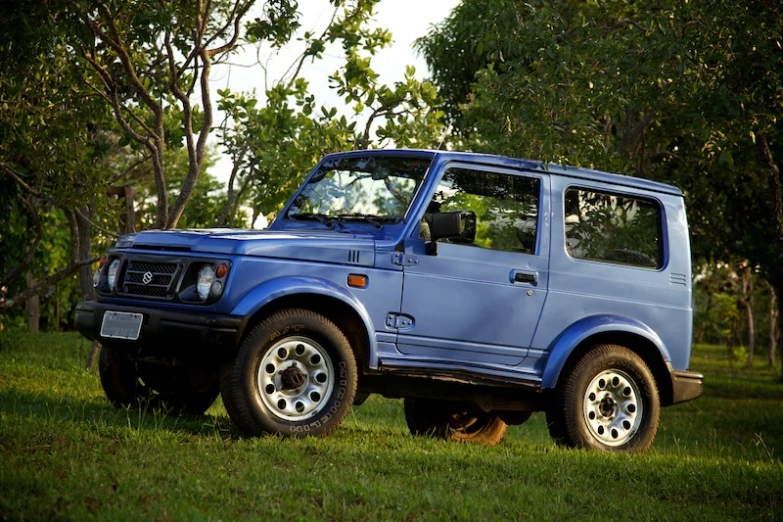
{"type": "Point", "coordinates": [324, 219]}
{"type": "Point", "coordinates": [369, 218]}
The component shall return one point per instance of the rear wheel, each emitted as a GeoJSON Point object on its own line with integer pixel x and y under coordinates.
{"type": "Point", "coordinates": [608, 401]}
{"type": "Point", "coordinates": [453, 421]}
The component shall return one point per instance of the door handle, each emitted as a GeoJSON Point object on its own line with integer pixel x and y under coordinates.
{"type": "Point", "coordinates": [519, 276]}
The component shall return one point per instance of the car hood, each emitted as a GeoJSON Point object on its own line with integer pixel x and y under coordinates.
{"type": "Point", "coordinates": [329, 247]}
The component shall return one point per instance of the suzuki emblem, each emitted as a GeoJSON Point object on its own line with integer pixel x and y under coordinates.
{"type": "Point", "coordinates": [146, 278]}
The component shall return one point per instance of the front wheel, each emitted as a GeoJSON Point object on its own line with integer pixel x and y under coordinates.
{"type": "Point", "coordinates": [295, 374]}
{"type": "Point", "coordinates": [453, 421]}
{"type": "Point", "coordinates": [608, 401]}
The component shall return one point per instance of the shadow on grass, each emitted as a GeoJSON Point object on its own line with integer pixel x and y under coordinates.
{"type": "Point", "coordinates": [742, 387]}
{"type": "Point", "coordinates": [61, 408]}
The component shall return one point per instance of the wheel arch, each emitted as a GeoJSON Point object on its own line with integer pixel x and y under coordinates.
{"type": "Point", "coordinates": [591, 331]}
{"type": "Point", "coordinates": [318, 295]}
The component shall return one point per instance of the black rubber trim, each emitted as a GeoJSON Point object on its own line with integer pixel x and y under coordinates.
{"type": "Point", "coordinates": [163, 325]}
{"type": "Point", "coordinates": [686, 385]}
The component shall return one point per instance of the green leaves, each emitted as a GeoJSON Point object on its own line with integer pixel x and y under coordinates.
{"type": "Point", "coordinates": [672, 91]}
{"type": "Point", "coordinates": [274, 145]}
{"type": "Point", "coordinates": [280, 22]}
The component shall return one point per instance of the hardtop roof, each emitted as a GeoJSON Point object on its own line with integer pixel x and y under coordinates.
{"type": "Point", "coordinates": [524, 164]}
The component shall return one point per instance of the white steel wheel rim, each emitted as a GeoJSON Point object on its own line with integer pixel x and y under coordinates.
{"type": "Point", "coordinates": [612, 407]}
{"type": "Point", "coordinates": [295, 378]}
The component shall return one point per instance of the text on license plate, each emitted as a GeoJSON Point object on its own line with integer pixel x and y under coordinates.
{"type": "Point", "coordinates": [121, 325]}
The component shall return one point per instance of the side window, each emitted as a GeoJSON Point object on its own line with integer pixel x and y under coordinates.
{"type": "Point", "coordinates": [612, 228]}
{"type": "Point", "coordinates": [505, 206]}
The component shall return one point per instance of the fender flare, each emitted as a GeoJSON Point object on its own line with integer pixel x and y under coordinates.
{"type": "Point", "coordinates": [562, 348]}
{"type": "Point", "coordinates": [286, 286]}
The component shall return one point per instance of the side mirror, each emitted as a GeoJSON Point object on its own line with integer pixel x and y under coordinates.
{"type": "Point", "coordinates": [458, 226]}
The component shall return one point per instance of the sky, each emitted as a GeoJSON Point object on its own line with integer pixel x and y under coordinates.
{"type": "Point", "coordinates": [406, 19]}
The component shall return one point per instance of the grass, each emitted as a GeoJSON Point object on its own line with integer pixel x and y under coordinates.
{"type": "Point", "coordinates": [66, 454]}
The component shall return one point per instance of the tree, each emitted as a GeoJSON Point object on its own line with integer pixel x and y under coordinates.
{"type": "Point", "coordinates": [680, 92]}
{"type": "Point", "coordinates": [147, 63]}
{"type": "Point", "coordinates": [53, 143]}
{"type": "Point", "coordinates": [274, 145]}
{"type": "Point", "coordinates": [89, 93]}
{"type": "Point", "coordinates": [99, 102]}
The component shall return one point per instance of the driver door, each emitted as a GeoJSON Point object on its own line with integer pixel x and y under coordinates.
{"type": "Point", "coordinates": [477, 303]}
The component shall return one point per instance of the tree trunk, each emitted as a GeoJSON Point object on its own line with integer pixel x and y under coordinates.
{"type": "Point", "coordinates": [774, 331]}
{"type": "Point", "coordinates": [84, 251]}
{"type": "Point", "coordinates": [746, 287]}
{"type": "Point", "coordinates": [126, 193]}
{"type": "Point", "coordinates": [225, 212]}
{"type": "Point", "coordinates": [81, 248]}
{"type": "Point", "coordinates": [778, 291]}
{"type": "Point", "coordinates": [776, 205]}
{"type": "Point", "coordinates": [730, 356]}
{"type": "Point", "coordinates": [33, 307]}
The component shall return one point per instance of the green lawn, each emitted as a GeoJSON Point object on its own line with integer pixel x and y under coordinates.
{"type": "Point", "coordinates": [66, 454]}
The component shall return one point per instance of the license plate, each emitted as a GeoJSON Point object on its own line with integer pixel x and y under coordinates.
{"type": "Point", "coordinates": [121, 325]}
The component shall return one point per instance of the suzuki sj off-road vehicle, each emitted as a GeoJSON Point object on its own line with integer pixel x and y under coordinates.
{"type": "Point", "coordinates": [477, 288]}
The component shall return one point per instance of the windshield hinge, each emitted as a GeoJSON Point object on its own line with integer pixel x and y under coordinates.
{"type": "Point", "coordinates": [400, 258]}
{"type": "Point", "coordinates": [396, 321]}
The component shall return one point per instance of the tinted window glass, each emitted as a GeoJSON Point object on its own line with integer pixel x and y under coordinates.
{"type": "Point", "coordinates": [506, 206]}
{"type": "Point", "coordinates": [612, 228]}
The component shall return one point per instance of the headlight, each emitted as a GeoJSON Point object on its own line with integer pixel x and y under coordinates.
{"type": "Point", "coordinates": [206, 276]}
{"type": "Point", "coordinates": [114, 267]}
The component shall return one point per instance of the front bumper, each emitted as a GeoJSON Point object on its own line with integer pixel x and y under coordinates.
{"type": "Point", "coordinates": [164, 326]}
{"type": "Point", "coordinates": [686, 385]}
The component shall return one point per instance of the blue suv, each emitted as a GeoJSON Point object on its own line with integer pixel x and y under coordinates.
{"type": "Point", "coordinates": [477, 288]}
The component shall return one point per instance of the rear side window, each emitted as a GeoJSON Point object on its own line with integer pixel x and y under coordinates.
{"type": "Point", "coordinates": [613, 228]}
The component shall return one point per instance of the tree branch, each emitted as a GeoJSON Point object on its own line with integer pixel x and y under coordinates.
{"type": "Point", "coordinates": [300, 61]}
{"type": "Point", "coordinates": [117, 107]}
{"type": "Point", "coordinates": [128, 169]}
{"type": "Point", "coordinates": [237, 15]}
{"type": "Point", "coordinates": [623, 23]}
{"type": "Point", "coordinates": [94, 225]}
{"type": "Point", "coordinates": [18, 177]}
{"type": "Point", "coordinates": [20, 298]}
{"type": "Point", "coordinates": [116, 43]}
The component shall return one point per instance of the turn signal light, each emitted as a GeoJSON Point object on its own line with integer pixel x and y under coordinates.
{"type": "Point", "coordinates": [357, 280]}
{"type": "Point", "coordinates": [221, 271]}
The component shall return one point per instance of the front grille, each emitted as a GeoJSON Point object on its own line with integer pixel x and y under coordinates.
{"type": "Point", "coordinates": [149, 279]}
{"type": "Point", "coordinates": [155, 268]}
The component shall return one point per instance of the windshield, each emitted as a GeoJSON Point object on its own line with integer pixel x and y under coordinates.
{"type": "Point", "coordinates": [375, 189]}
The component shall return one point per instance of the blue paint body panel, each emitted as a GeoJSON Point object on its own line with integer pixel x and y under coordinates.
{"type": "Point", "coordinates": [462, 310]}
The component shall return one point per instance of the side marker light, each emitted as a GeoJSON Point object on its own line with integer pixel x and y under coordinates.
{"type": "Point", "coordinates": [357, 280]}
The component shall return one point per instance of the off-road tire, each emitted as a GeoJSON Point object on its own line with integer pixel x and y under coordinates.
{"type": "Point", "coordinates": [591, 412]}
{"type": "Point", "coordinates": [189, 390]}
{"type": "Point", "coordinates": [120, 378]}
{"type": "Point", "coordinates": [196, 388]}
{"type": "Point", "coordinates": [453, 421]}
{"type": "Point", "coordinates": [244, 383]}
